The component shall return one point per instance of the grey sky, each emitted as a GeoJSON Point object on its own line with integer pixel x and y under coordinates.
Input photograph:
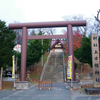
{"type": "Point", "coordinates": [45, 10]}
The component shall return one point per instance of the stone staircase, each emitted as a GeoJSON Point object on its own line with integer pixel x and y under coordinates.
{"type": "Point", "coordinates": [54, 68]}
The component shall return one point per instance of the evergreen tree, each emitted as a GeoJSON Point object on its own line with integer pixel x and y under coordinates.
{"type": "Point", "coordinates": [33, 51]}
{"type": "Point", "coordinates": [46, 42]}
{"type": "Point", "coordinates": [6, 45]}
{"type": "Point", "coordinates": [83, 54]}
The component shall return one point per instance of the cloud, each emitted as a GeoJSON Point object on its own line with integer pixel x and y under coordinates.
{"type": "Point", "coordinates": [53, 10]}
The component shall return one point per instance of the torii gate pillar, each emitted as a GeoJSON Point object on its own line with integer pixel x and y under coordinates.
{"type": "Point", "coordinates": [23, 54]}
{"type": "Point", "coordinates": [70, 49]}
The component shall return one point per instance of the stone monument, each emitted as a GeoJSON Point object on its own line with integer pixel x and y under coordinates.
{"type": "Point", "coordinates": [95, 64]}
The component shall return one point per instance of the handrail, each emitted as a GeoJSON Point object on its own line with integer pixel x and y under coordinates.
{"type": "Point", "coordinates": [45, 67]}
{"type": "Point", "coordinates": [64, 67]}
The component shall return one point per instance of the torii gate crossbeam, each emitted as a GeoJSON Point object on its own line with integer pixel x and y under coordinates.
{"type": "Point", "coordinates": [24, 26]}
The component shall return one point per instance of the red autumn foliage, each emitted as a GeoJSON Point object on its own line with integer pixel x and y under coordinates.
{"type": "Point", "coordinates": [77, 37]}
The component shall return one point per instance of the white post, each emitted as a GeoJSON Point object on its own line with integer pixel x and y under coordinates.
{"type": "Point", "coordinates": [16, 64]}
{"type": "Point", "coordinates": [42, 55]}
{"type": "Point", "coordinates": [14, 71]}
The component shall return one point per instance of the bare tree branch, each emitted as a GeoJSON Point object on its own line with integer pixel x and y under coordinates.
{"type": "Point", "coordinates": [97, 17]}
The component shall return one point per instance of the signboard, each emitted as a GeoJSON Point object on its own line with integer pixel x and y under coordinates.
{"type": "Point", "coordinates": [13, 68]}
{"type": "Point", "coordinates": [8, 74]}
{"type": "Point", "coordinates": [95, 60]}
{"type": "Point", "coordinates": [69, 69]}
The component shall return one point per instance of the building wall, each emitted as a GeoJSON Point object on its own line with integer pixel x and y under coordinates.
{"type": "Point", "coordinates": [17, 48]}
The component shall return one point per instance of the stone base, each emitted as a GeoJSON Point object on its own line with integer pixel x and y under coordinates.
{"type": "Point", "coordinates": [73, 85]}
{"type": "Point", "coordinates": [14, 89]}
{"type": "Point", "coordinates": [90, 91]}
{"type": "Point", "coordinates": [7, 79]}
{"type": "Point", "coordinates": [22, 85]}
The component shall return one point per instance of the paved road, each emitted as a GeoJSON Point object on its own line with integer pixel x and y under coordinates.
{"type": "Point", "coordinates": [59, 92]}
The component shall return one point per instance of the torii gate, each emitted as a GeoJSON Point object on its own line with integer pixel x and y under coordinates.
{"type": "Point", "coordinates": [54, 42]}
{"type": "Point", "coordinates": [25, 37]}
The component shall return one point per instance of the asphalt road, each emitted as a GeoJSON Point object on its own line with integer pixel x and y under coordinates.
{"type": "Point", "coordinates": [59, 92]}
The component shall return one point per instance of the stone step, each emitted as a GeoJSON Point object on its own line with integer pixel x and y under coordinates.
{"type": "Point", "coordinates": [54, 69]}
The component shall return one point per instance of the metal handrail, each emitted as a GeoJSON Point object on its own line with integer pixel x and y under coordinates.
{"type": "Point", "coordinates": [64, 67]}
{"type": "Point", "coordinates": [45, 67]}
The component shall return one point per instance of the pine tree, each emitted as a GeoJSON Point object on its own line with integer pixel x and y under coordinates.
{"type": "Point", "coordinates": [34, 49]}
{"type": "Point", "coordinates": [83, 54]}
{"type": "Point", "coordinates": [7, 37]}
{"type": "Point", "coordinates": [33, 52]}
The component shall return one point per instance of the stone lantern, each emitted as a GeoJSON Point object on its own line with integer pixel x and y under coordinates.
{"type": "Point", "coordinates": [28, 75]}
{"type": "Point", "coordinates": [77, 76]}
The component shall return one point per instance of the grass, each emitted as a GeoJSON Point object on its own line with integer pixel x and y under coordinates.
{"type": "Point", "coordinates": [34, 76]}
{"type": "Point", "coordinates": [33, 83]}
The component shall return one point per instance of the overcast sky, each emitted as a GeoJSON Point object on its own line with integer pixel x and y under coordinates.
{"type": "Point", "coordinates": [45, 10]}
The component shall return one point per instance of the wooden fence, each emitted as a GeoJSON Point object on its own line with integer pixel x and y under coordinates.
{"type": "Point", "coordinates": [45, 85]}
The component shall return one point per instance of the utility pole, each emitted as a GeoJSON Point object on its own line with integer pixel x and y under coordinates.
{"type": "Point", "coordinates": [42, 55]}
